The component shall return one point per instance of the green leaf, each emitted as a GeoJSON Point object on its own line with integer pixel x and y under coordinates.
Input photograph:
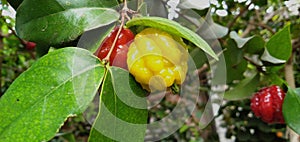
{"type": "Point", "coordinates": [279, 46]}
{"type": "Point", "coordinates": [273, 78]}
{"type": "Point", "coordinates": [123, 109]}
{"type": "Point", "coordinates": [199, 57]}
{"type": "Point", "coordinates": [266, 56]}
{"type": "Point", "coordinates": [252, 45]}
{"type": "Point", "coordinates": [183, 129]}
{"type": "Point", "coordinates": [173, 28]}
{"type": "Point", "coordinates": [59, 85]}
{"type": "Point", "coordinates": [240, 41]}
{"type": "Point", "coordinates": [244, 89]}
{"type": "Point", "coordinates": [255, 45]}
{"type": "Point", "coordinates": [272, 68]}
{"type": "Point", "coordinates": [53, 22]}
{"type": "Point", "coordinates": [236, 65]}
{"type": "Point", "coordinates": [91, 40]}
{"type": "Point", "coordinates": [291, 109]}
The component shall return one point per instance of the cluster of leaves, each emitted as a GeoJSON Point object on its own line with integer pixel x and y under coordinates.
{"type": "Point", "coordinates": [256, 42]}
{"type": "Point", "coordinates": [257, 61]}
{"type": "Point", "coordinates": [251, 62]}
{"type": "Point", "coordinates": [73, 75]}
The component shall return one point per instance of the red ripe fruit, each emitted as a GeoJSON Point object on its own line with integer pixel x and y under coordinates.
{"type": "Point", "coordinates": [118, 56]}
{"type": "Point", "coordinates": [30, 45]}
{"type": "Point", "coordinates": [267, 104]}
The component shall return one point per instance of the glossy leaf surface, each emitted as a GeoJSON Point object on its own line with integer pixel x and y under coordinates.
{"type": "Point", "coordinates": [59, 85]}
{"type": "Point", "coordinates": [291, 109]}
{"type": "Point", "coordinates": [123, 109]}
{"type": "Point", "coordinates": [54, 22]}
{"type": "Point", "coordinates": [173, 28]}
{"type": "Point", "coordinates": [279, 47]}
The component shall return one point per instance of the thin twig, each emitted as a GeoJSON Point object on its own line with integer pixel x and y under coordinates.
{"type": "Point", "coordinates": [139, 4]}
{"type": "Point", "coordinates": [237, 16]}
{"type": "Point", "coordinates": [123, 15]}
{"type": "Point", "coordinates": [263, 26]}
{"type": "Point", "coordinates": [24, 42]}
{"type": "Point", "coordinates": [14, 33]}
{"type": "Point", "coordinates": [296, 44]}
{"type": "Point", "coordinates": [248, 29]}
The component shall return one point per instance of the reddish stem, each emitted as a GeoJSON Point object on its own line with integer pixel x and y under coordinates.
{"type": "Point", "coordinates": [123, 15]}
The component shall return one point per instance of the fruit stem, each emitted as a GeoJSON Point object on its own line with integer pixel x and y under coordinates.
{"type": "Point", "coordinates": [124, 11]}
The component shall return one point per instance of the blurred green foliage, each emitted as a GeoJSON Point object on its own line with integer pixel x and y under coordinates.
{"type": "Point", "coordinates": [14, 58]}
{"type": "Point", "coordinates": [263, 19]}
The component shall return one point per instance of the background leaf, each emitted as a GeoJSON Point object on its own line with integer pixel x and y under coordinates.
{"type": "Point", "coordinates": [244, 89]}
{"type": "Point", "coordinates": [255, 45]}
{"type": "Point", "coordinates": [236, 65]}
{"type": "Point", "coordinates": [291, 109]}
{"type": "Point", "coordinates": [241, 42]}
{"type": "Point", "coordinates": [280, 46]}
{"type": "Point", "coordinates": [59, 85]}
{"type": "Point", "coordinates": [198, 56]}
{"type": "Point", "coordinates": [43, 27]}
{"type": "Point", "coordinates": [117, 121]}
{"type": "Point", "coordinates": [266, 56]}
{"type": "Point", "coordinates": [174, 28]}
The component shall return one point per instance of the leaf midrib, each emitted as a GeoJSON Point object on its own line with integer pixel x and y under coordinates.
{"type": "Point", "coordinates": [182, 31]}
